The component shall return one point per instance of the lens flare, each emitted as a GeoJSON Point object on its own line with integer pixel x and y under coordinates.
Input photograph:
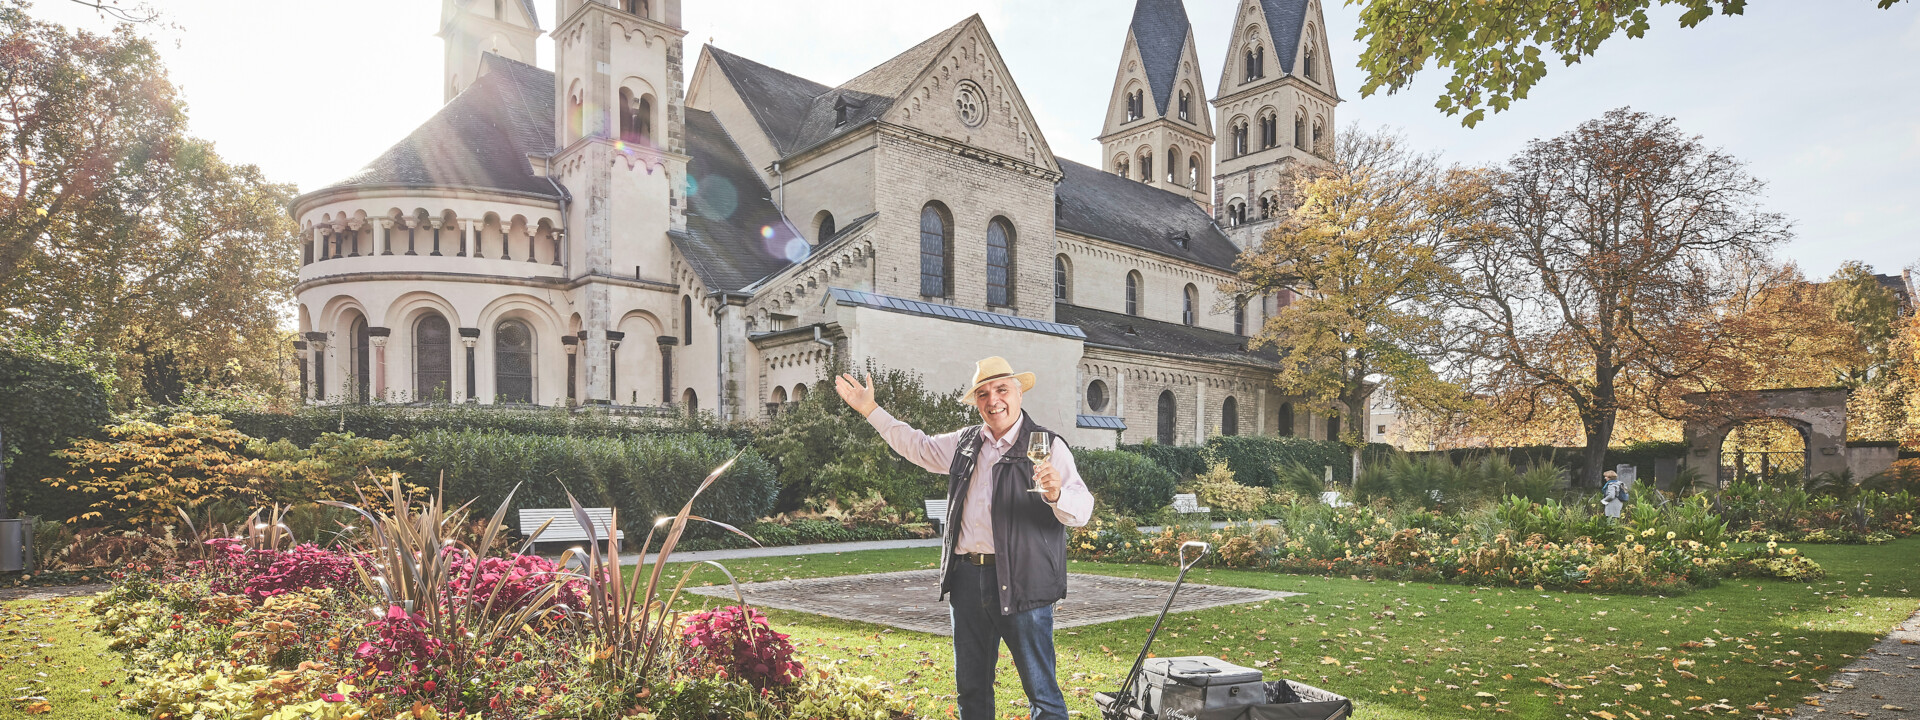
{"type": "Point", "coordinates": [766, 232]}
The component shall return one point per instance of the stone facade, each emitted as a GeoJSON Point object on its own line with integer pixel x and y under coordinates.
{"type": "Point", "coordinates": [610, 233]}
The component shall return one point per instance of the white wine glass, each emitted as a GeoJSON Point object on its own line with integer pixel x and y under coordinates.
{"type": "Point", "coordinates": [1039, 450]}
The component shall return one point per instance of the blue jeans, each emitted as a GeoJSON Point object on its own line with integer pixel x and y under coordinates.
{"type": "Point", "coordinates": [978, 628]}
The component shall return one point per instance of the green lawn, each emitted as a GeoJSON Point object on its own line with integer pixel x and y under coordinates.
{"type": "Point", "coordinates": [1400, 650]}
{"type": "Point", "coordinates": [1413, 650]}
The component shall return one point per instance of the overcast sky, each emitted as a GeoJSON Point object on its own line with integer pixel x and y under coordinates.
{"type": "Point", "coordinates": [1820, 97]}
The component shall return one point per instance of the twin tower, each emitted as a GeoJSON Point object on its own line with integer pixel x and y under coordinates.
{"type": "Point", "coordinates": [1274, 108]}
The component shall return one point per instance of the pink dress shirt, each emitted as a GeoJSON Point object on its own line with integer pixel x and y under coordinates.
{"type": "Point", "coordinates": [935, 453]}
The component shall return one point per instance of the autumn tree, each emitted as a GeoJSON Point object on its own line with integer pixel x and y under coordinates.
{"type": "Point", "coordinates": [1622, 245]}
{"type": "Point", "coordinates": [1869, 314]}
{"type": "Point", "coordinates": [118, 228]}
{"type": "Point", "coordinates": [1368, 247]}
{"type": "Point", "coordinates": [1496, 51]}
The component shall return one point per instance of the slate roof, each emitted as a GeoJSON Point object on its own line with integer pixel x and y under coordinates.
{"type": "Point", "coordinates": [735, 235]}
{"type": "Point", "coordinates": [877, 301]}
{"type": "Point", "coordinates": [1898, 286]}
{"type": "Point", "coordinates": [1286, 19]}
{"type": "Point", "coordinates": [797, 113]}
{"type": "Point", "coordinates": [1160, 30]}
{"type": "Point", "coordinates": [1129, 332]}
{"type": "Point", "coordinates": [1100, 204]}
{"type": "Point", "coordinates": [533, 16]}
{"type": "Point", "coordinates": [480, 139]}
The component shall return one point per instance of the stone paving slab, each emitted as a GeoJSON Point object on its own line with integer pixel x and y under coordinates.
{"type": "Point", "coordinates": [911, 599]}
{"type": "Point", "coordinates": [1883, 682]}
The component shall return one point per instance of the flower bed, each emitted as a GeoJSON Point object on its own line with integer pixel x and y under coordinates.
{"type": "Point", "coordinates": [410, 623]}
{"type": "Point", "coordinates": [1518, 543]}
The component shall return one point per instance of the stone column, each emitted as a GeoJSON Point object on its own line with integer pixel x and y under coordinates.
{"type": "Point", "coordinates": [383, 237]}
{"type": "Point", "coordinates": [533, 247]}
{"type": "Point", "coordinates": [1120, 397]}
{"type": "Point", "coordinates": [318, 341]}
{"type": "Point", "coordinates": [436, 224]}
{"type": "Point", "coordinates": [613, 365]}
{"type": "Point", "coordinates": [667, 342]}
{"type": "Point", "coordinates": [1260, 412]}
{"type": "Point", "coordinates": [467, 247]}
{"type": "Point", "coordinates": [572, 345]}
{"type": "Point", "coordinates": [300, 352]}
{"type": "Point", "coordinates": [559, 246]}
{"type": "Point", "coordinates": [470, 337]}
{"type": "Point", "coordinates": [413, 227]}
{"type": "Point", "coordinates": [377, 337]}
{"type": "Point", "coordinates": [355, 226]}
{"type": "Point", "coordinates": [1199, 411]}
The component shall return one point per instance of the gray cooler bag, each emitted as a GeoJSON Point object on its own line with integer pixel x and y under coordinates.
{"type": "Point", "coordinates": [1188, 685]}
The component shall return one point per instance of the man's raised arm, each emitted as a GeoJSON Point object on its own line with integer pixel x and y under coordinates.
{"type": "Point", "coordinates": [932, 452]}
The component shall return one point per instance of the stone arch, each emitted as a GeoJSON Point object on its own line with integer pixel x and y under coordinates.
{"type": "Point", "coordinates": [403, 318]}
{"type": "Point", "coordinates": [1818, 414]}
{"type": "Point", "coordinates": [636, 378]}
{"type": "Point", "coordinates": [549, 369]}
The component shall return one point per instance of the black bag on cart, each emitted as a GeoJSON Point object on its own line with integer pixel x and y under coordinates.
{"type": "Point", "coordinates": [1190, 684]}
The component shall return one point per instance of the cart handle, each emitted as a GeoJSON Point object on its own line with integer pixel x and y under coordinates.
{"type": "Point", "coordinates": [1186, 564]}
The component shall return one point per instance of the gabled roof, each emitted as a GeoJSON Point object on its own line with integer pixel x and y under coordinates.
{"type": "Point", "coordinates": [1099, 204]}
{"type": "Point", "coordinates": [735, 235]}
{"type": "Point", "coordinates": [797, 113]}
{"type": "Point", "coordinates": [859, 298]}
{"type": "Point", "coordinates": [1286, 19]}
{"type": "Point", "coordinates": [1130, 332]}
{"type": "Point", "coordinates": [533, 17]}
{"type": "Point", "coordinates": [1160, 31]}
{"type": "Point", "coordinates": [480, 139]}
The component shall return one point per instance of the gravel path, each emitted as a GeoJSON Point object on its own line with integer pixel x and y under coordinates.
{"type": "Point", "coordinates": [49, 592]}
{"type": "Point", "coordinates": [1884, 682]}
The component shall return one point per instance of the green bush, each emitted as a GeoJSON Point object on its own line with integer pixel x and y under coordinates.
{"type": "Point", "coordinates": [1259, 460]}
{"type": "Point", "coordinates": [1184, 461]}
{"type": "Point", "coordinates": [1124, 482]}
{"type": "Point", "coordinates": [826, 451]}
{"type": "Point", "coordinates": [50, 394]}
{"type": "Point", "coordinates": [643, 476]}
{"type": "Point", "coordinates": [303, 425]}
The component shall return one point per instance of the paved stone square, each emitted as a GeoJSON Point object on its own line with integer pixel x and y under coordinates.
{"type": "Point", "coordinates": [911, 599]}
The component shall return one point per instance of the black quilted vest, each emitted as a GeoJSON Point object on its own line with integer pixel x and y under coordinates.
{"type": "Point", "coordinates": [1029, 543]}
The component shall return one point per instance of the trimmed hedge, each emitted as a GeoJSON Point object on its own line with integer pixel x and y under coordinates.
{"type": "Point", "coordinates": [1254, 460]}
{"type": "Point", "coordinates": [304, 424]}
{"type": "Point", "coordinates": [644, 477]}
{"type": "Point", "coordinates": [1127, 483]}
{"type": "Point", "coordinates": [50, 395]}
{"type": "Point", "coordinates": [1574, 459]}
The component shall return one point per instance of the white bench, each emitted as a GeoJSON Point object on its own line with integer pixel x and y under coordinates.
{"type": "Point", "coordinates": [1332, 499]}
{"type": "Point", "coordinates": [937, 513]}
{"type": "Point", "coordinates": [1189, 503]}
{"type": "Point", "coordinates": [566, 527]}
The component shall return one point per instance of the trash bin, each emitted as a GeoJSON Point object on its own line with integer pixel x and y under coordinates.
{"type": "Point", "coordinates": [16, 545]}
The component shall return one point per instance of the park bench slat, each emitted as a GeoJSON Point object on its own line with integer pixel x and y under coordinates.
{"type": "Point", "coordinates": [565, 527]}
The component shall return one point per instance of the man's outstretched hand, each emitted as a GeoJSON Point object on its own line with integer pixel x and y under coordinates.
{"type": "Point", "coordinates": [858, 396]}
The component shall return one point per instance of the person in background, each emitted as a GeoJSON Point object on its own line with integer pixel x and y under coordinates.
{"type": "Point", "coordinates": [1613, 493]}
{"type": "Point", "coordinates": [1012, 492]}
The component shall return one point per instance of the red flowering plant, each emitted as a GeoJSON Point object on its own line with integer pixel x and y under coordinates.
{"type": "Point", "coordinates": [501, 585]}
{"type": "Point", "coordinates": [738, 642]}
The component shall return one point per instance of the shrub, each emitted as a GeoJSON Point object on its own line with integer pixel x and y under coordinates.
{"type": "Point", "coordinates": [829, 694]}
{"type": "Point", "coordinates": [826, 451]}
{"type": "Point", "coordinates": [50, 394]}
{"type": "Point", "coordinates": [644, 477]}
{"type": "Point", "coordinates": [1259, 460]}
{"type": "Point", "coordinates": [1124, 482]}
{"type": "Point", "coordinates": [145, 474]}
{"type": "Point", "coordinates": [1217, 489]}
{"type": "Point", "coordinates": [303, 425]}
{"type": "Point", "coordinates": [1184, 461]}
{"type": "Point", "coordinates": [740, 641]}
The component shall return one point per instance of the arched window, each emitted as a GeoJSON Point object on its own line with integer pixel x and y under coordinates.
{"type": "Point", "coordinates": [1229, 417]}
{"type": "Point", "coordinates": [1256, 63]}
{"type": "Point", "coordinates": [827, 227]}
{"type": "Point", "coordinates": [799, 392]}
{"type": "Point", "coordinates": [1136, 105]}
{"type": "Point", "coordinates": [362, 360]}
{"type": "Point", "coordinates": [1240, 137]}
{"type": "Point", "coordinates": [1318, 132]}
{"type": "Point", "coordinates": [1333, 428]}
{"type": "Point", "coordinates": [1190, 305]}
{"type": "Point", "coordinates": [686, 320]}
{"type": "Point", "coordinates": [629, 117]}
{"type": "Point", "coordinates": [1123, 167]}
{"type": "Point", "coordinates": [999, 263]}
{"type": "Point", "coordinates": [779, 397]}
{"type": "Point", "coordinates": [1168, 415]}
{"type": "Point", "coordinates": [690, 401]}
{"type": "Point", "coordinates": [1096, 397]}
{"type": "Point", "coordinates": [1269, 130]}
{"type": "Point", "coordinates": [1300, 131]}
{"type": "Point", "coordinates": [1240, 316]}
{"type": "Point", "coordinates": [1186, 105]}
{"type": "Point", "coordinates": [1193, 172]}
{"type": "Point", "coordinates": [432, 359]}
{"type": "Point", "coordinates": [1307, 66]}
{"type": "Point", "coordinates": [1284, 425]}
{"type": "Point", "coordinates": [1269, 206]}
{"type": "Point", "coordinates": [1236, 213]}
{"type": "Point", "coordinates": [1146, 167]}
{"type": "Point", "coordinates": [513, 358]}
{"type": "Point", "coordinates": [1173, 165]}
{"type": "Point", "coordinates": [576, 115]}
{"type": "Point", "coordinates": [638, 7]}
{"type": "Point", "coordinates": [936, 251]}
{"type": "Point", "coordinates": [1133, 293]}
{"type": "Point", "coordinates": [1061, 278]}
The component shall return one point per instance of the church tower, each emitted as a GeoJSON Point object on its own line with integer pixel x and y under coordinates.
{"type": "Point", "coordinates": [1275, 110]}
{"type": "Point", "coordinates": [472, 28]}
{"type": "Point", "coordinates": [622, 157]}
{"type": "Point", "coordinates": [1157, 130]}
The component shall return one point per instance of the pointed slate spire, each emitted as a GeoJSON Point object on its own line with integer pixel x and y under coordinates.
{"type": "Point", "coordinates": [1160, 30]}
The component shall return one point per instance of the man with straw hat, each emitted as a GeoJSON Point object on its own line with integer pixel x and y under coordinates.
{"type": "Point", "coordinates": [1013, 491]}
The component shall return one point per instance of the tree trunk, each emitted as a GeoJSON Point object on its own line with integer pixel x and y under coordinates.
{"type": "Point", "coordinates": [1599, 430]}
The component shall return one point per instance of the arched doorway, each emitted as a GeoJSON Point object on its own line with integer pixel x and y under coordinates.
{"type": "Point", "coordinates": [1770, 451]}
{"type": "Point", "coordinates": [1818, 416]}
{"type": "Point", "coordinates": [1168, 415]}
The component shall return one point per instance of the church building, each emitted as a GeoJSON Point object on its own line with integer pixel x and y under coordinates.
{"type": "Point", "coordinates": [619, 231]}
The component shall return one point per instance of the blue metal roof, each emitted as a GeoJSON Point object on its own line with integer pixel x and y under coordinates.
{"type": "Point", "coordinates": [949, 312]}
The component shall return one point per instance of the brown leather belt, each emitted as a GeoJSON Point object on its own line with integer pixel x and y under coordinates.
{"type": "Point", "coordinates": [975, 558]}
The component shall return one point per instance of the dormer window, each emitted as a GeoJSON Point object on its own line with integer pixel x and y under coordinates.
{"type": "Point", "coordinates": [839, 111]}
{"type": "Point", "coordinates": [1180, 239]}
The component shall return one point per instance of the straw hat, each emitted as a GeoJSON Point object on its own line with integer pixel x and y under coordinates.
{"type": "Point", "coordinates": [994, 368]}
